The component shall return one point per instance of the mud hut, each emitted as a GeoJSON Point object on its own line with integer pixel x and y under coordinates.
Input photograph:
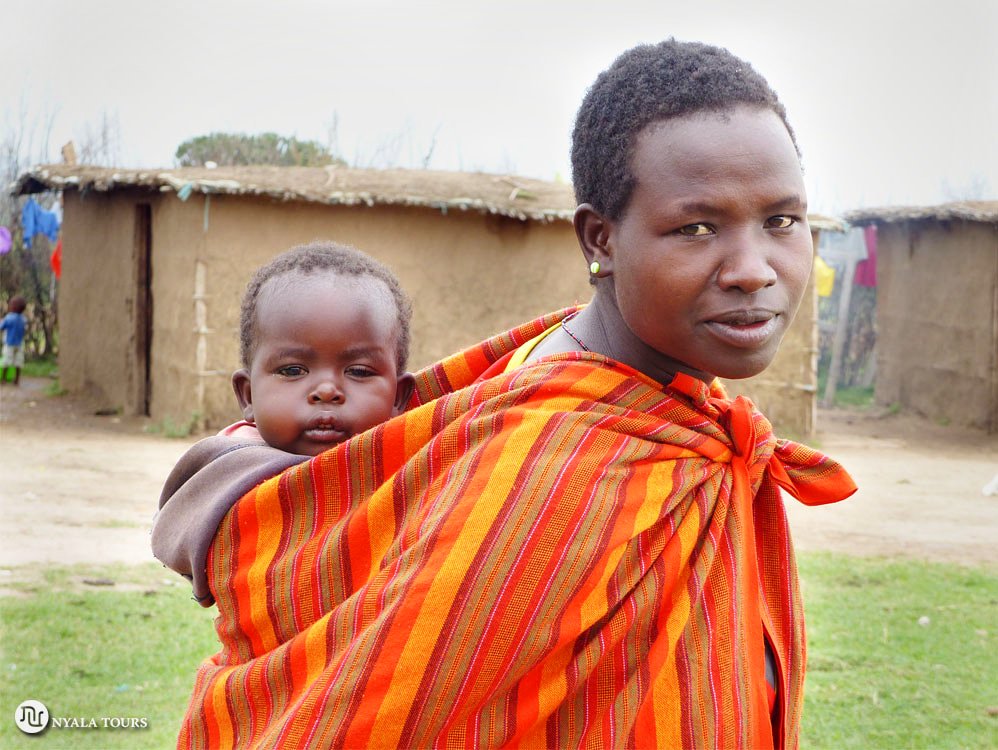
{"type": "Point", "coordinates": [155, 263]}
{"type": "Point", "coordinates": [937, 310]}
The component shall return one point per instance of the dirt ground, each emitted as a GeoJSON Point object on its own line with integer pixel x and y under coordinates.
{"type": "Point", "coordinates": [81, 489]}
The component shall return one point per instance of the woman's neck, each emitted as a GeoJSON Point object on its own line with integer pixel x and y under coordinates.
{"type": "Point", "coordinates": [602, 328]}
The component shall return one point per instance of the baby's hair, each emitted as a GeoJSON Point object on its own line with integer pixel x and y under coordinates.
{"type": "Point", "coordinates": [324, 256]}
{"type": "Point", "coordinates": [648, 84]}
{"type": "Point", "coordinates": [17, 304]}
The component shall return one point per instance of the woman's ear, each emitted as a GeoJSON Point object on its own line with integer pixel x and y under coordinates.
{"type": "Point", "coordinates": [593, 231]}
{"type": "Point", "coordinates": [244, 393]}
{"type": "Point", "coordinates": [406, 384]}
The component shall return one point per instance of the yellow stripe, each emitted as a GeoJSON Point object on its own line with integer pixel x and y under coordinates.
{"type": "Point", "coordinates": [315, 649]}
{"type": "Point", "coordinates": [418, 423]}
{"type": "Point", "coordinates": [380, 512]}
{"type": "Point", "coordinates": [657, 490]}
{"type": "Point", "coordinates": [436, 606]}
{"type": "Point", "coordinates": [218, 702]}
{"type": "Point", "coordinates": [521, 354]}
{"type": "Point", "coordinates": [270, 522]}
{"type": "Point", "coordinates": [550, 694]}
{"type": "Point", "coordinates": [458, 370]}
{"type": "Point", "coordinates": [665, 690]}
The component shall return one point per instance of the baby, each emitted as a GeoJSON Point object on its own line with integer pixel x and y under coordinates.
{"type": "Point", "coordinates": [324, 340]}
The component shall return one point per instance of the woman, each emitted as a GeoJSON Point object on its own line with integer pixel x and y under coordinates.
{"type": "Point", "coordinates": [572, 537]}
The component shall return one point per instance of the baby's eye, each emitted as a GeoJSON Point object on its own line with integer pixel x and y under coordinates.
{"type": "Point", "coordinates": [360, 371]}
{"type": "Point", "coordinates": [292, 371]}
{"type": "Point", "coordinates": [781, 222]}
{"type": "Point", "coordinates": [695, 230]}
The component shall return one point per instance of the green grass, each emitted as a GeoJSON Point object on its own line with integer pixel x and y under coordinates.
{"type": "Point", "coordinates": [849, 397]}
{"type": "Point", "coordinates": [101, 652]}
{"type": "Point", "coordinates": [854, 396]}
{"type": "Point", "coordinates": [55, 389]}
{"type": "Point", "coordinates": [877, 679]}
{"type": "Point", "coordinates": [46, 367]}
{"type": "Point", "coordinates": [171, 428]}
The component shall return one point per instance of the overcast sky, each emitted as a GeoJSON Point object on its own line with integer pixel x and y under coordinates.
{"type": "Point", "coordinates": [893, 102]}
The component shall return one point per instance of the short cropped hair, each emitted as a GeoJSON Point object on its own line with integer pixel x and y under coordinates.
{"type": "Point", "coordinates": [324, 256]}
{"type": "Point", "coordinates": [17, 304]}
{"type": "Point", "coordinates": [648, 84]}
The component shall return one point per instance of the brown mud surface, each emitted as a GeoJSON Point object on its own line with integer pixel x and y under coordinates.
{"type": "Point", "coordinates": [78, 489]}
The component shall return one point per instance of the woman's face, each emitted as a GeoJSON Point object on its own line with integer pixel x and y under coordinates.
{"type": "Point", "coordinates": [711, 257]}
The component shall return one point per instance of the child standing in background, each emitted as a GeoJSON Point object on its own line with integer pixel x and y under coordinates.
{"type": "Point", "coordinates": [13, 327]}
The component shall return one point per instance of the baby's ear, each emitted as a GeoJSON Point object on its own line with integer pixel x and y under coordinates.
{"type": "Point", "coordinates": [403, 392]}
{"type": "Point", "coordinates": [244, 393]}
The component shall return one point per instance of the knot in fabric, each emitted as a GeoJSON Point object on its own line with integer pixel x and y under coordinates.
{"type": "Point", "coordinates": [751, 435]}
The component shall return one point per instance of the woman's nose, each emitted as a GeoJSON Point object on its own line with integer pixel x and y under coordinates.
{"type": "Point", "coordinates": [326, 391]}
{"type": "Point", "coordinates": [746, 267]}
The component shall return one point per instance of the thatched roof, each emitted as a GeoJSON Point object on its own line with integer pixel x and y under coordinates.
{"type": "Point", "coordinates": [516, 197]}
{"type": "Point", "coordinates": [826, 223]}
{"type": "Point", "coordinates": [980, 211]}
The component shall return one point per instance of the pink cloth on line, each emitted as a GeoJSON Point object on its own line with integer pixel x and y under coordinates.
{"type": "Point", "coordinates": [866, 270]}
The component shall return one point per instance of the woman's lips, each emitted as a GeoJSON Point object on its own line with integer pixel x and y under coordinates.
{"type": "Point", "coordinates": [744, 329]}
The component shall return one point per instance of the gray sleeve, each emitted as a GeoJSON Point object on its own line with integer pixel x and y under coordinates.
{"type": "Point", "coordinates": [203, 486]}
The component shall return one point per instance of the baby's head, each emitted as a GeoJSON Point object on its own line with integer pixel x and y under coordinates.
{"type": "Point", "coordinates": [17, 304]}
{"type": "Point", "coordinates": [324, 340]}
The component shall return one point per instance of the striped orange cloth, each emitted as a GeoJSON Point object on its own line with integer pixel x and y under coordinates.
{"type": "Point", "coordinates": [565, 555]}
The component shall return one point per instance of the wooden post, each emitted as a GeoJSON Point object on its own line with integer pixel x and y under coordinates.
{"type": "Point", "coordinates": [201, 330]}
{"type": "Point", "coordinates": [841, 329]}
{"type": "Point", "coordinates": [992, 424]}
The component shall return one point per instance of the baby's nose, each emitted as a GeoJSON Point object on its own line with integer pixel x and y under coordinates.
{"type": "Point", "coordinates": [326, 391]}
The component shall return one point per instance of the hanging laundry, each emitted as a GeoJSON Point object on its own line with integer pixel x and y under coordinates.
{"type": "Point", "coordinates": [824, 277]}
{"type": "Point", "coordinates": [56, 259]}
{"type": "Point", "coordinates": [36, 220]}
{"type": "Point", "coordinates": [866, 270]}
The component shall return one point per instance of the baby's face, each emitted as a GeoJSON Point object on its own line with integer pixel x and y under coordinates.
{"type": "Point", "coordinates": [324, 368]}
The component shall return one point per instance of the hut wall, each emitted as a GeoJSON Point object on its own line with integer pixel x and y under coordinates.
{"type": "Point", "coordinates": [936, 311]}
{"type": "Point", "coordinates": [178, 245]}
{"type": "Point", "coordinates": [97, 299]}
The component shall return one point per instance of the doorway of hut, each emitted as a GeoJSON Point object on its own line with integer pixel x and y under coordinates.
{"type": "Point", "coordinates": [143, 306]}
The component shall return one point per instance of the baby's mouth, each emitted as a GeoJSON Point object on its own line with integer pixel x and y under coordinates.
{"type": "Point", "coordinates": [326, 430]}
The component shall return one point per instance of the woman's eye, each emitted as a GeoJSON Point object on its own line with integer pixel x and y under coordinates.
{"type": "Point", "coordinates": [781, 222]}
{"type": "Point", "coordinates": [695, 230]}
{"type": "Point", "coordinates": [292, 371]}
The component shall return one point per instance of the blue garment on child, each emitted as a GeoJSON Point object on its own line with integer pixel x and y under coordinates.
{"type": "Point", "coordinates": [36, 220]}
{"type": "Point", "coordinates": [13, 324]}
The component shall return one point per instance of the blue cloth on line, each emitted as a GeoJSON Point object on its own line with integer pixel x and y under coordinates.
{"type": "Point", "coordinates": [36, 220]}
